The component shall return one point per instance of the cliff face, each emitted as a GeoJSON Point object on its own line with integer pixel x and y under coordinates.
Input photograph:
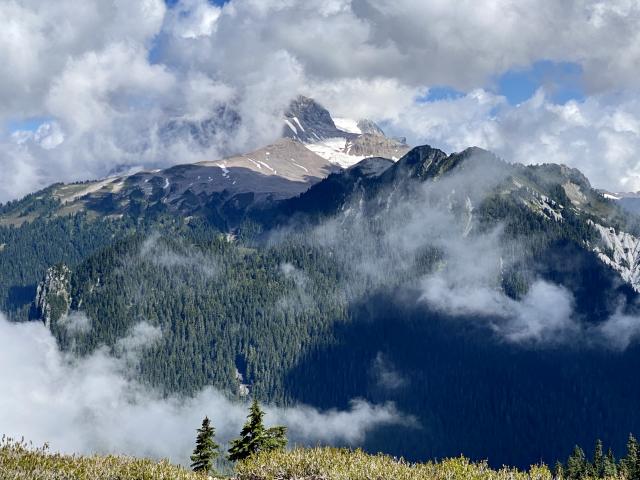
{"type": "Point", "coordinates": [53, 297]}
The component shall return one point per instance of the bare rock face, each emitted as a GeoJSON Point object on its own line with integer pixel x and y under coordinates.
{"type": "Point", "coordinates": [53, 295]}
{"type": "Point", "coordinates": [308, 121]}
{"type": "Point", "coordinates": [373, 144]}
{"type": "Point", "coordinates": [370, 127]}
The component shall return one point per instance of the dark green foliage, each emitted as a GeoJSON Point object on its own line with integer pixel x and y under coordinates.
{"type": "Point", "coordinates": [207, 450]}
{"type": "Point", "coordinates": [30, 249]}
{"type": "Point", "coordinates": [255, 438]}
{"type": "Point", "coordinates": [576, 465]}
{"type": "Point", "coordinates": [602, 465]}
{"type": "Point", "coordinates": [597, 465]}
{"type": "Point", "coordinates": [610, 468]}
{"type": "Point", "coordinates": [297, 322]}
{"type": "Point", "coordinates": [630, 464]}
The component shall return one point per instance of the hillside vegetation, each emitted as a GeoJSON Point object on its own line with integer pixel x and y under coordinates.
{"type": "Point", "coordinates": [362, 287]}
{"type": "Point", "coordinates": [19, 461]}
{"type": "Point", "coordinates": [343, 464]}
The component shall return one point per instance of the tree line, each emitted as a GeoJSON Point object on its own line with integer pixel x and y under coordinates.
{"type": "Point", "coordinates": [601, 464]}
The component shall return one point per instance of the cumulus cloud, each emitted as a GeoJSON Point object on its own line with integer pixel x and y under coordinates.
{"type": "Point", "coordinates": [111, 76]}
{"type": "Point", "coordinates": [92, 405]}
{"type": "Point", "coordinates": [600, 135]}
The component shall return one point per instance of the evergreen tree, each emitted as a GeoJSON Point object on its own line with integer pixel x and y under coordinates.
{"type": "Point", "coordinates": [276, 438]}
{"type": "Point", "coordinates": [255, 438]}
{"type": "Point", "coordinates": [206, 449]}
{"type": "Point", "coordinates": [610, 468]}
{"type": "Point", "coordinates": [576, 464]}
{"type": "Point", "coordinates": [630, 464]}
{"type": "Point", "coordinates": [558, 472]}
{"type": "Point", "coordinates": [598, 460]}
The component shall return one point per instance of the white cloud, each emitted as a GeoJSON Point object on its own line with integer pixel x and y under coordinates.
{"type": "Point", "coordinates": [620, 330]}
{"type": "Point", "coordinates": [600, 135]}
{"type": "Point", "coordinates": [87, 405]}
{"type": "Point", "coordinates": [386, 375]}
{"type": "Point", "coordinates": [193, 19]}
{"type": "Point", "coordinates": [544, 316]}
{"type": "Point", "coordinates": [111, 74]}
{"type": "Point", "coordinates": [154, 250]}
{"type": "Point", "coordinates": [75, 323]}
{"type": "Point", "coordinates": [143, 335]}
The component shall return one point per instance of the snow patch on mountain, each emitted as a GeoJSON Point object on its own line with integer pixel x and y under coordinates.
{"type": "Point", "coordinates": [610, 196]}
{"type": "Point", "coordinates": [543, 205]}
{"type": "Point", "coordinates": [335, 150]}
{"type": "Point", "coordinates": [620, 251]}
{"type": "Point", "coordinates": [347, 125]}
{"type": "Point", "coordinates": [468, 208]}
{"type": "Point", "coordinates": [290, 125]}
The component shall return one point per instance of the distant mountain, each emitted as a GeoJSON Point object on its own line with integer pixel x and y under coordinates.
{"type": "Point", "coordinates": [340, 140]}
{"type": "Point", "coordinates": [630, 201]}
{"type": "Point", "coordinates": [223, 190]}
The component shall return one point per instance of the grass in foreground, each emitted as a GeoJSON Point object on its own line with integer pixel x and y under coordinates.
{"type": "Point", "coordinates": [342, 464]}
{"type": "Point", "coordinates": [18, 461]}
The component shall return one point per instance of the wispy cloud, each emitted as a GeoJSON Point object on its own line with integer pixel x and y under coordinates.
{"type": "Point", "coordinates": [91, 404]}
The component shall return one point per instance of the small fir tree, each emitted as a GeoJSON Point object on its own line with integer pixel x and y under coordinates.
{"type": "Point", "coordinates": [255, 438]}
{"type": "Point", "coordinates": [207, 450]}
{"type": "Point", "coordinates": [598, 460]}
{"type": "Point", "coordinates": [610, 467]}
{"type": "Point", "coordinates": [630, 464]}
{"type": "Point", "coordinates": [576, 464]}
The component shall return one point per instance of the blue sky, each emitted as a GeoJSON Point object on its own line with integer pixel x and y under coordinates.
{"type": "Point", "coordinates": [30, 124]}
{"type": "Point", "coordinates": [562, 82]}
{"type": "Point", "coordinates": [171, 3]}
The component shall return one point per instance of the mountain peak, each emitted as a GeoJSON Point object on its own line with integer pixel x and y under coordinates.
{"type": "Point", "coordinates": [421, 156]}
{"type": "Point", "coordinates": [308, 121]}
{"type": "Point", "coordinates": [342, 141]}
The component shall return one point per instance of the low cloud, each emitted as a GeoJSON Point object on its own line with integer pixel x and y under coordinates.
{"type": "Point", "coordinates": [159, 253]}
{"type": "Point", "coordinates": [75, 323]}
{"type": "Point", "coordinates": [428, 240]}
{"type": "Point", "coordinates": [298, 298]}
{"type": "Point", "coordinates": [599, 135]}
{"type": "Point", "coordinates": [309, 425]}
{"type": "Point", "coordinates": [90, 404]}
{"type": "Point", "coordinates": [543, 316]}
{"type": "Point", "coordinates": [620, 330]}
{"type": "Point", "coordinates": [143, 335]}
{"type": "Point", "coordinates": [386, 375]}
